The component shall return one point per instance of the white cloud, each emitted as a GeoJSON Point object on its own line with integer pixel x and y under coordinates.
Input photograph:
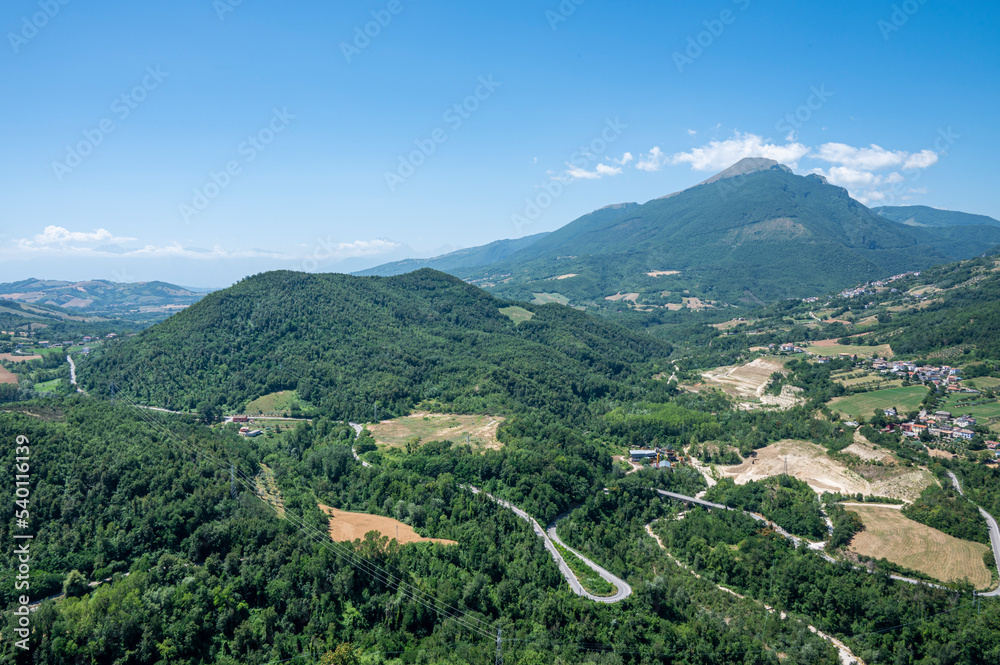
{"type": "Point", "coordinates": [573, 173]}
{"type": "Point", "coordinates": [654, 161]}
{"type": "Point", "coordinates": [870, 174]}
{"type": "Point", "coordinates": [718, 155]}
{"type": "Point", "coordinates": [623, 160]}
{"type": "Point", "coordinates": [58, 235]}
{"type": "Point", "coordinates": [692, 132]}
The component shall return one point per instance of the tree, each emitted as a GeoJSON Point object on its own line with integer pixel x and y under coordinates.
{"type": "Point", "coordinates": [75, 584]}
{"type": "Point", "coordinates": [344, 654]}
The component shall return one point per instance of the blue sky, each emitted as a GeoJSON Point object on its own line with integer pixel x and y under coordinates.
{"type": "Point", "coordinates": [258, 135]}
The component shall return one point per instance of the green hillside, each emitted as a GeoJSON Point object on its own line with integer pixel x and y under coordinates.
{"type": "Point", "coordinates": [344, 342]}
{"type": "Point", "coordinates": [764, 235]}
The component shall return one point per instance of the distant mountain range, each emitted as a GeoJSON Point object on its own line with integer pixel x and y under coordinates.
{"type": "Point", "coordinates": [927, 216]}
{"type": "Point", "coordinates": [753, 233]}
{"type": "Point", "coordinates": [149, 300]}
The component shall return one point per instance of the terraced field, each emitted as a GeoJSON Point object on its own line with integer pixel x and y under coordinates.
{"type": "Point", "coordinates": [891, 535]}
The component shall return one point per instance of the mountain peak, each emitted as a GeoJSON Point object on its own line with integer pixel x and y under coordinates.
{"type": "Point", "coordinates": [745, 166]}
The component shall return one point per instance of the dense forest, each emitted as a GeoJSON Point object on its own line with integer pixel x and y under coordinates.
{"type": "Point", "coordinates": [346, 342]}
{"type": "Point", "coordinates": [192, 575]}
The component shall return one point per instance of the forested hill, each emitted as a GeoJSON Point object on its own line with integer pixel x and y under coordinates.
{"type": "Point", "coordinates": [344, 342]}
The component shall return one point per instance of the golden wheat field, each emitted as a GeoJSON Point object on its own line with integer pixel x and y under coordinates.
{"type": "Point", "coordinates": [346, 527]}
{"type": "Point", "coordinates": [890, 534]}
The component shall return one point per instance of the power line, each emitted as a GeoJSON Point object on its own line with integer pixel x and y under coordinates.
{"type": "Point", "coordinates": [349, 556]}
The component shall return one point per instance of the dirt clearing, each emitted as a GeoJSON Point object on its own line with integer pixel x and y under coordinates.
{"type": "Point", "coordinates": [810, 463]}
{"type": "Point", "coordinates": [481, 430]}
{"type": "Point", "coordinates": [17, 359]}
{"type": "Point", "coordinates": [890, 534]}
{"type": "Point", "coordinates": [7, 376]}
{"type": "Point", "coordinates": [864, 449]}
{"type": "Point", "coordinates": [749, 381]}
{"type": "Point", "coordinates": [663, 273]}
{"type": "Point", "coordinates": [631, 297]}
{"type": "Point", "coordinates": [347, 527]}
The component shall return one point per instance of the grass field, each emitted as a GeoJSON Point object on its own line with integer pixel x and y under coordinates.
{"type": "Point", "coordinates": [48, 386]}
{"type": "Point", "coordinates": [983, 382]}
{"type": "Point", "coordinates": [864, 404]}
{"type": "Point", "coordinates": [517, 314]}
{"type": "Point", "coordinates": [481, 430]}
{"type": "Point", "coordinates": [279, 402]}
{"type": "Point", "coordinates": [7, 376]}
{"type": "Point", "coordinates": [347, 527]}
{"type": "Point", "coordinates": [981, 412]}
{"type": "Point", "coordinates": [545, 298]}
{"type": "Point", "coordinates": [829, 347]}
{"type": "Point", "coordinates": [886, 381]}
{"type": "Point", "coordinates": [891, 535]}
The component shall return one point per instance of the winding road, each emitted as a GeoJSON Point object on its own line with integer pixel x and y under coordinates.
{"type": "Point", "coordinates": [815, 547]}
{"type": "Point", "coordinates": [994, 533]}
{"type": "Point", "coordinates": [549, 536]}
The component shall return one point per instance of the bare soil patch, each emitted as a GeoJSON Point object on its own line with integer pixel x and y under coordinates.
{"type": "Point", "coordinates": [567, 275]}
{"type": "Point", "coordinates": [631, 297]}
{"type": "Point", "coordinates": [348, 527]}
{"type": "Point", "coordinates": [890, 534]}
{"type": "Point", "coordinates": [17, 359]}
{"type": "Point", "coordinates": [943, 454]}
{"type": "Point", "coordinates": [481, 430]}
{"type": "Point", "coordinates": [745, 381]}
{"type": "Point", "coordinates": [663, 273]}
{"type": "Point", "coordinates": [866, 450]}
{"type": "Point", "coordinates": [7, 376]}
{"type": "Point", "coordinates": [810, 463]}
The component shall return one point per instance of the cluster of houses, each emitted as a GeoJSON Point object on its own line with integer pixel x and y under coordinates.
{"type": "Point", "coordinates": [245, 430]}
{"type": "Point", "coordinates": [658, 458]}
{"type": "Point", "coordinates": [944, 377]}
{"type": "Point", "coordinates": [940, 424]}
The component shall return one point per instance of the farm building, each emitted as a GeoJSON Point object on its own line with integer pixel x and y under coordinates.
{"type": "Point", "coordinates": [638, 455]}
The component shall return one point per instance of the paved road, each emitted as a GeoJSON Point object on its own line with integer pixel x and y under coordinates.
{"type": "Point", "coordinates": [815, 547]}
{"type": "Point", "coordinates": [623, 589]}
{"type": "Point", "coordinates": [72, 373]}
{"type": "Point", "coordinates": [994, 532]}
{"type": "Point", "coordinates": [357, 433]}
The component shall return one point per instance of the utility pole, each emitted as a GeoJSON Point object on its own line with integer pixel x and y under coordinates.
{"type": "Point", "coordinates": [499, 647]}
{"type": "Point", "coordinates": [376, 411]}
